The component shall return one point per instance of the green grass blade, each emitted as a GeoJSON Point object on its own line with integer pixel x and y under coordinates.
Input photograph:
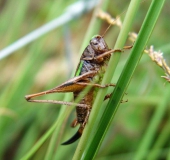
{"type": "Point", "coordinates": [35, 131]}
{"type": "Point", "coordinates": [125, 77]}
{"type": "Point", "coordinates": [59, 121]}
{"type": "Point", "coordinates": [149, 136]}
{"type": "Point", "coordinates": [120, 43]}
{"type": "Point", "coordinates": [91, 31]}
{"type": "Point", "coordinates": [152, 129]}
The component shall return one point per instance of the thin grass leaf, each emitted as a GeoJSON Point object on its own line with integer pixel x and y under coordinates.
{"type": "Point", "coordinates": [24, 127]}
{"type": "Point", "coordinates": [124, 80]}
{"type": "Point", "coordinates": [76, 9]}
{"type": "Point", "coordinates": [150, 133]}
{"type": "Point", "coordinates": [83, 145]}
{"type": "Point", "coordinates": [91, 31]}
{"type": "Point", "coordinates": [21, 79]}
{"type": "Point", "coordinates": [164, 136]}
{"type": "Point", "coordinates": [45, 136]}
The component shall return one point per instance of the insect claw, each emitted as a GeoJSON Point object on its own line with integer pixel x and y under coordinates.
{"type": "Point", "coordinates": [122, 101]}
{"type": "Point", "coordinates": [27, 98]}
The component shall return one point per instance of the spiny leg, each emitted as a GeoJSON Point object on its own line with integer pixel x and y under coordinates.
{"type": "Point", "coordinates": [96, 85]}
{"type": "Point", "coordinates": [107, 53]}
{"type": "Point", "coordinates": [112, 51]}
{"type": "Point", "coordinates": [72, 85]}
{"type": "Point", "coordinates": [68, 86]}
{"type": "Point", "coordinates": [60, 102]}
{"type": "Point", "coordinates": [86, 118]}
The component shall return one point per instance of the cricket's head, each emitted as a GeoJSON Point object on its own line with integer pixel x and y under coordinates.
{"type": "Point", "coordinates": [98, 44]}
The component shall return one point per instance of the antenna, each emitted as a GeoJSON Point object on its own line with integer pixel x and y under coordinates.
{"type": "Point", "coordinates": [110, 20]}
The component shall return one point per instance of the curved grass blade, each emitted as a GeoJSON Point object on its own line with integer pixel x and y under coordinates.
{"type": "Point", "coordinates": [58, 122]}
{"type": "Point", "coordinates": [91, 31]}
{"type": "Point", "coordinates": [148, 138]}
{"type": "Point", "coordinates": [124, 80]}
{"type": "Point", "coordinates": [120, 43]}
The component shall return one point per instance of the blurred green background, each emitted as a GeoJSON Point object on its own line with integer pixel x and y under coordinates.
{"type": "Point", "coordinates": [50, 60]}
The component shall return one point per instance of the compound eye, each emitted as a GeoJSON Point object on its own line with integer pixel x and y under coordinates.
{"type": "Point", "coordinates": [95, 43]}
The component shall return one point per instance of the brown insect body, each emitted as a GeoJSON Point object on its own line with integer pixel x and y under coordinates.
{"type": "Point", "coordinates": [90, 71]}
{"type": "Point", "coordinates": [89, 62]}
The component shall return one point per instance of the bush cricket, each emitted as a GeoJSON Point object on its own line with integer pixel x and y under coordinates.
{"type": "Point", "coordinates": [89, 72]}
